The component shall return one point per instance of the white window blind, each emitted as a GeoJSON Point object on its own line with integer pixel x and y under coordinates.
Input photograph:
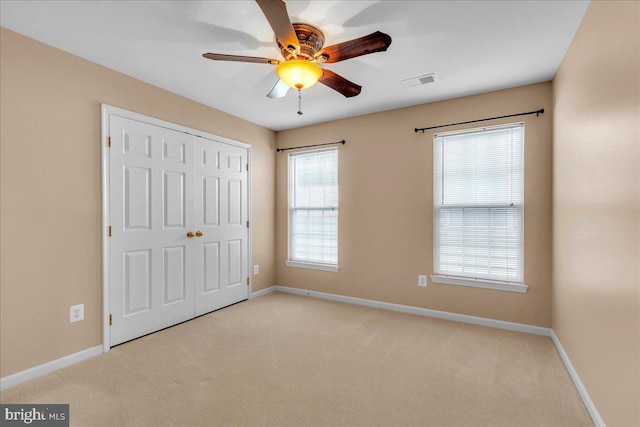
{"type": "Point", "coordinates": [478, 203]}
{"type": "Point", "coordinates": [313, 207]}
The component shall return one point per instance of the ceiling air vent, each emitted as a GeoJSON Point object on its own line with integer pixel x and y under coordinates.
{"type": "Point", "coordinates": [420, 80]}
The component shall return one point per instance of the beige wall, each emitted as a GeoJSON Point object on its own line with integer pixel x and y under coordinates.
{"type": "Point", "coordinates": [50, 192]}
{"type": "Point", "coordinates": [596, 208]}
{"type": "Point", "coordinates": [386, 206]}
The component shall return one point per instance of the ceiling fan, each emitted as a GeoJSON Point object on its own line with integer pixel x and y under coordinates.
{"type": "Point", "coordinates": [302, 49]}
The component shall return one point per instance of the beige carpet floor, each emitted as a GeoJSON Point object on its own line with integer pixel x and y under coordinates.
{"type": "Point", "coordinates": [285, 360]}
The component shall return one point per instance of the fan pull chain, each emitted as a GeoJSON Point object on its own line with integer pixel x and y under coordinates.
{"type": "Point", "coordinates": [299, 102]}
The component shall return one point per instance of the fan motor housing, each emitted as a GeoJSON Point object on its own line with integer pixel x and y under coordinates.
{"type": "Point", "coordinates": [311, 41]}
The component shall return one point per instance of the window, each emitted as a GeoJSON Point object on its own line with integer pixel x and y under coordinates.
{"type": "Point", "coordinates": [313, 210]}
{"type": "Point", "coordinates": [478, 207]}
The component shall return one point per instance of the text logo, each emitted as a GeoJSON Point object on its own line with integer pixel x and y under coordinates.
{"type": "Point", "coordinates": [34, 415]}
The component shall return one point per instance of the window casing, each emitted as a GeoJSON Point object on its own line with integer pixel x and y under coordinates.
{"type": "Point", "coordinates": [313, 209]}
{"type": "Point", "coordinates": [479, 204]}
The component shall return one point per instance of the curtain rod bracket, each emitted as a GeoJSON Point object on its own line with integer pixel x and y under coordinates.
{"type": "Point", "coordinates": [537, 113]}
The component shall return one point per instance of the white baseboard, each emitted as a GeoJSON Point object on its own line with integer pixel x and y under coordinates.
{"type": "Point", "coordinates": [482, 321]}
{"type": "Point", "coordinates": [261, 292]}
{"type": "Point", "coordinates": [586, 399]}
{"type": "Point", "coordinates": [63, 362]}
{"type": "Point", "coordinates": [29, 374]}
{"type": "Point", "coordinates": [54, 365]}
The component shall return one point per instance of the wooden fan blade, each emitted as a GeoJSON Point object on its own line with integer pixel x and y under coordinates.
{"type": "Point", "coordinates": [339, 84]}
{"type": "Point", "coordinates": [276, 13]}
{"type": "Point", "coordinates": [239, 58]}
{"type": "Point", "coordinates": [279, 90]}
{"type": "Point", "coordinates": [374, 42]}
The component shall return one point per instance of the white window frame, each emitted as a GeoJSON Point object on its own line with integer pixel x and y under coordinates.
{"type": "Point", "coordinates": [297, 263]}
{"type": "Point", "coordinates": [501, 285]}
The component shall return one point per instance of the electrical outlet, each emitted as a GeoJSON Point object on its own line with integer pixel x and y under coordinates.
{"type": "Point", "coordinates": [76, 313]}
{"type": "Point", "coordinates": [256, 270]}
{"type": "Point", "coordinates": [422, 280]}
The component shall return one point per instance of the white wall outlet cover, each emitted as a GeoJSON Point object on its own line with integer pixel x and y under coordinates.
{"type": "Point", "coordinates": [422, 280]}
{"type": "Point", "coordinates": [256, 269]}
{"type": "Point", "coordinates": [76, 313]}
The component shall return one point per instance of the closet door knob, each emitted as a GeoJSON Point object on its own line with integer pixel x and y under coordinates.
{"type": "Point", "coordinates": [190, 234]}
{"type": "Point", "coordinates": [199, 233]}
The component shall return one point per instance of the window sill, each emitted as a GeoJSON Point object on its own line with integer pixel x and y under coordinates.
{"type": "Point", "coordinates": [313, 266]}
{"type": "Point", "coordinates": [481, 283]}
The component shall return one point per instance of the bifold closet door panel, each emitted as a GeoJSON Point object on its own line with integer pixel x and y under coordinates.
{"type": "Point", "coordinates": [221, 199]}
{"type": "Point", "coordinates": [151, 210]}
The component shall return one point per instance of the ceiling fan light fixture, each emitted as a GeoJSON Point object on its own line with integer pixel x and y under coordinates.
{"type": "Point", "coordinates": [299, 73]}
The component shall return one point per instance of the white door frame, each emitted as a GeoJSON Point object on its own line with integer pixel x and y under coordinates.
{"type": "Point", "coordinates": [108, 111]}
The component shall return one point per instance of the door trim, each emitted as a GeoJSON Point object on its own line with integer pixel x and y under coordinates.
{"type": "Point", "coordinates": [106, 112]}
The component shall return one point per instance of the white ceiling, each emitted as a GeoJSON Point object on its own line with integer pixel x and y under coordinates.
{"type": "Point", "coordinates": [473, 46]}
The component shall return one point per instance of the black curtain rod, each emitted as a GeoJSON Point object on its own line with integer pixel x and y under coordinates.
{"type": "Point", "coordinates": [307, 146]}
{"type": "Point", "coordinates": [537, 113]}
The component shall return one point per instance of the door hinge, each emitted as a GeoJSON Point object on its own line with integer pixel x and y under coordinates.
{"type": "Point", "coordinates": [110, 319]}
{"type": "Point", "coordinates": [247, 281]}
{"type": "Point", "coordinates": [109, 142]}
{"type": "Point", "coordinates": [110, 231]}
{"type": "Point", "coordinates": [247, 167]}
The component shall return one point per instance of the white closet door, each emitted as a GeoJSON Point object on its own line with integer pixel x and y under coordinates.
{"type": "Point", "coordinates": [151, 194]}
{"type": "Point", "coordinates": [221, 215]}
